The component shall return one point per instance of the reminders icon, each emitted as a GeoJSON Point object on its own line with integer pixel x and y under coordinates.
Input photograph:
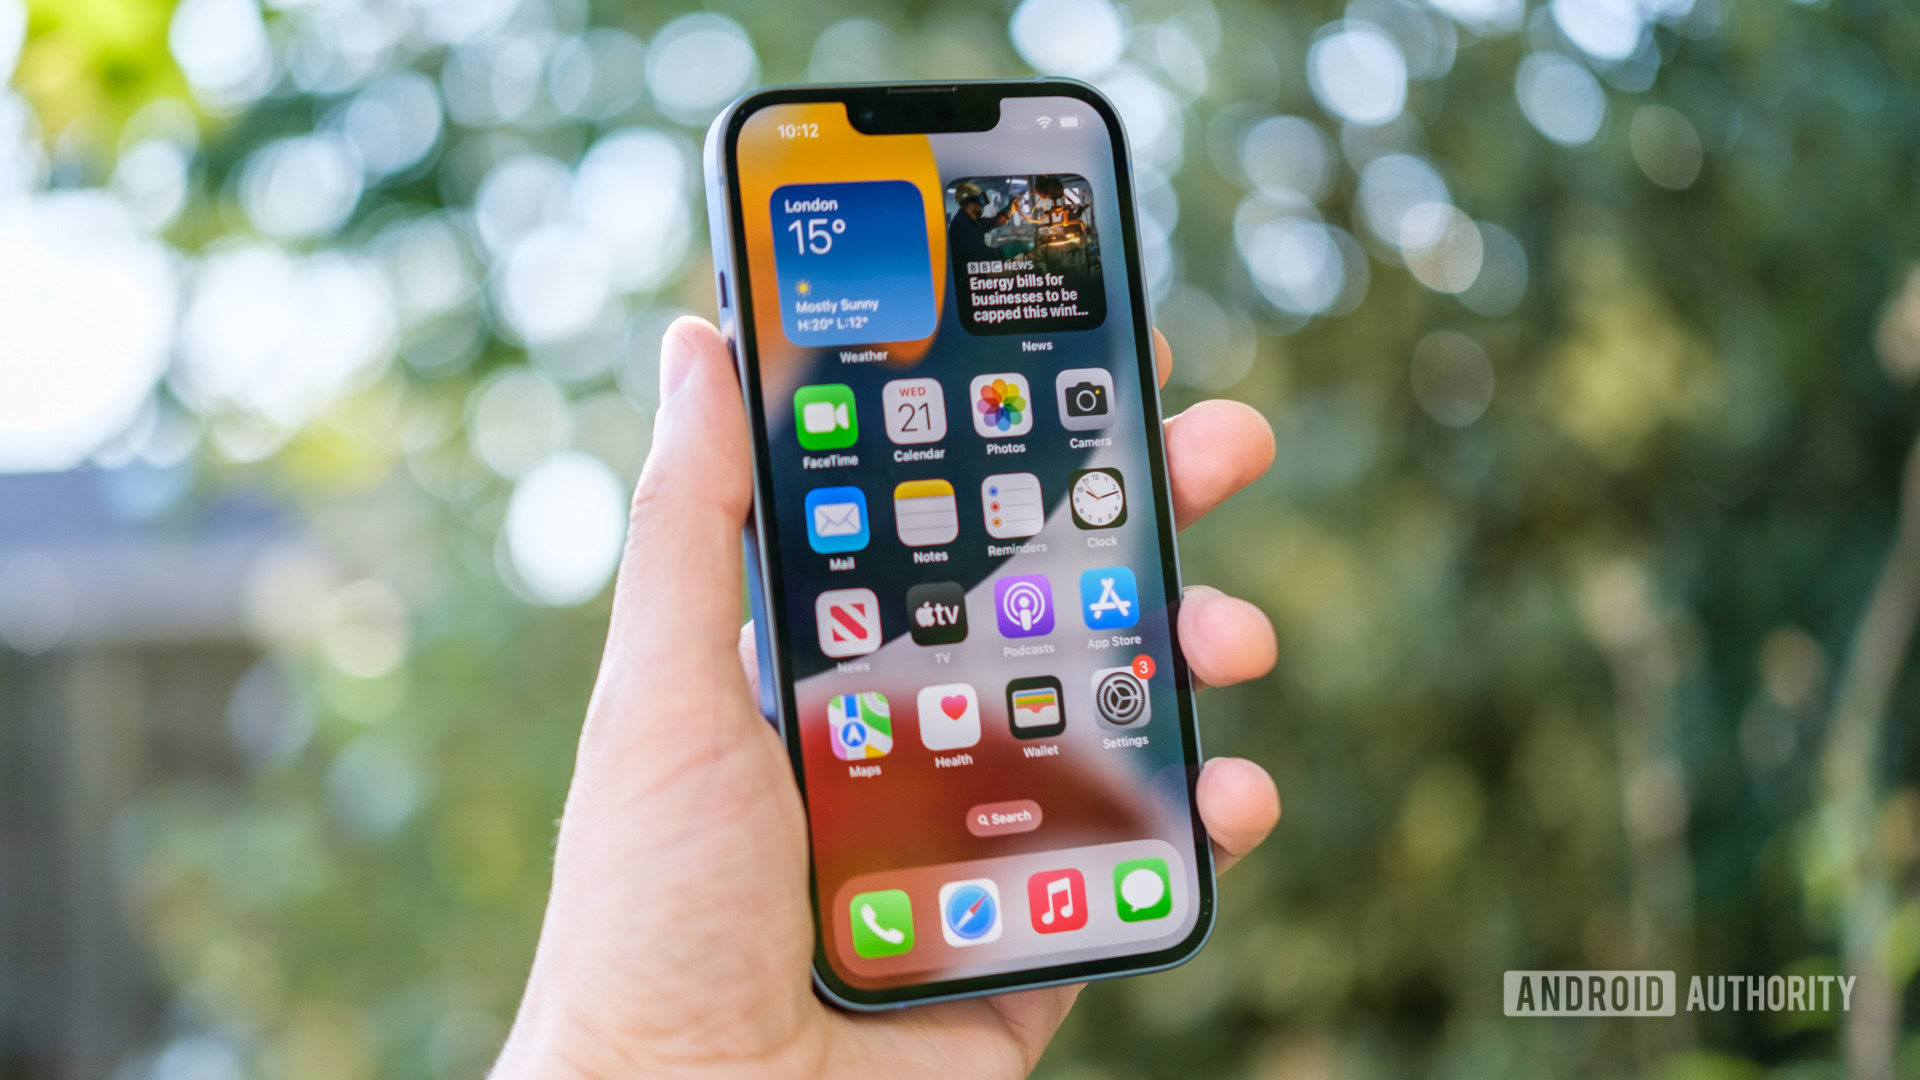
{"type": "Point", "coordinates": [1011, 505]}
{"type": "Point", "coordinates": [925, 513]}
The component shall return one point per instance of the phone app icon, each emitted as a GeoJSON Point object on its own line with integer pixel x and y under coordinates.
{"type": "Point", "coordinates": [1011, 505]}
{"type": "Point", "coordinates": [915, 410]}
{"type": "Point", "coordinates": [925, 513]}
{"type": "Point", "coordinates": [848, 621]}
{"type": "Point", "coordinates": [824, 417]}
{"type": "Point", "coordinates": [970, 912]}
{"type": "Point", "coordinates": [1120, 698]}
{"type": "Point", "coordinates": [1142, 890]}
{"type": "Point", "coordinates": [949, 717]}
{"type": "Point", "coordinates": [1035, 709]}
{"type": "Point", "coordinates": [1085, 396]}
{"type": "Point", "coordinates": [937, 613]}
{"type": "Point", "coordinates": [1002, 405]}
{"type": "Point", "coordinates": [861, 725]}
{"type": "Point", "coordinates": [1023, 603]}
{"type": "Point", "coordinates": [837, 520]}
{"type": "Point", "coordinates": [882, 923]}
{"type": "Point", "coordinates": [1057, 900]}
{"type": "Point", "coordinates": [1109, 599]}
{"type": "Point", "coordinates": [1098, 498]}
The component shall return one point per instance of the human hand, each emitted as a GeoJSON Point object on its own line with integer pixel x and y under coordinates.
{"type": "Point", "coordinates": [679, 936]}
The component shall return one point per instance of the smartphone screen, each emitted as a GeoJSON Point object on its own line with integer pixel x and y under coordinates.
{"type": "Point", "coordinates": [967, 546]}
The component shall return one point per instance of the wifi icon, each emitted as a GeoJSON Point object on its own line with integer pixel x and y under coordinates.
{"type": "Point", "coordinates": [1043, 121]}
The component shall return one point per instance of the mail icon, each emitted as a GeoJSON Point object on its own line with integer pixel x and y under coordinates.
{"type": "Point", "coordinates": [836, 520]}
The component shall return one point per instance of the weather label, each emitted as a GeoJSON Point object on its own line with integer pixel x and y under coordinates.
{"type": "Point", "coordinates": [852, 263]}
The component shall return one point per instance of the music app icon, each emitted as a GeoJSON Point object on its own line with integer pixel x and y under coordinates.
{"type": "Point", "coordinates": [1057, 900]}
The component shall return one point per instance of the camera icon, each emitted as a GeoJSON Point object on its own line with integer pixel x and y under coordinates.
{"type": "Point", "coordinates": [1085, 397]}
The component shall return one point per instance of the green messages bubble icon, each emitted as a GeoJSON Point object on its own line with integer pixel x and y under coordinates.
{"type": "Point", "coordinates": [1142, 890]}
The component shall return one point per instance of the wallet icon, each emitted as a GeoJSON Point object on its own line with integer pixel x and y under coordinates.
{"type": "Point", "coordinates": [837, 520]}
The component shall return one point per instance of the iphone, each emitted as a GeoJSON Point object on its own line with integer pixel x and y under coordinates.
{"type": "Point", "coordinates": [964, 581]}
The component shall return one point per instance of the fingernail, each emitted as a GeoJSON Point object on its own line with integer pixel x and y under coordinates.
{"type": "Point", "coordinates": [677, 356]}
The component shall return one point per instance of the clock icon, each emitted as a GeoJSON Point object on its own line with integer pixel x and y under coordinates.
{"type": "Point", "coordinates": [1099, 499]}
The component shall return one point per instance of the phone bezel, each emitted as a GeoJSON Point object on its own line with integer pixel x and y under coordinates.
{"type": "Point", "coordinates": [727, 218]}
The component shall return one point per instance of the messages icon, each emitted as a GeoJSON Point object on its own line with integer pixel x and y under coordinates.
{"type": "Point", "coordinates": [1143, 890]}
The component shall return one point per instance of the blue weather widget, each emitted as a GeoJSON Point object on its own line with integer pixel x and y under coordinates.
{"type": "Point", "coordinates": [852, 263]}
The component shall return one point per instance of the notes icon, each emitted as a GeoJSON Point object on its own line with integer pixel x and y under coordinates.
{"type": "Point", "coordinates": [1057, 901]}
{"type": "Point", "coordinates": [924, 513]}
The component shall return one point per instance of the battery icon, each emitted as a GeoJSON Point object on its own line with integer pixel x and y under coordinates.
{"type": "Point", "coordinates": [1069, 121]}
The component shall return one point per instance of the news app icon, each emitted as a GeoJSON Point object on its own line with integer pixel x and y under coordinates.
{"type": "Point", "coordinates": [824, 417]}
{"type": "Point", "coordinates": [848, 621]}
{"type": "Point", "coordinates": [1023, 604]}
{"type": "Point", "coordinates": [1057, 900]}
{"type": "Point", "coordinates": [1034, 708]}
{"type": "Point", "coordinates": [1085, 397]}
{"type": "Point", "coordinates": [937, 613]}
{"type": "Point", "coordinates": [837, 520]}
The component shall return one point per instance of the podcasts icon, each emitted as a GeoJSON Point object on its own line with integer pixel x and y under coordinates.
{"type": "Point", "coordinates": [1023, 604]}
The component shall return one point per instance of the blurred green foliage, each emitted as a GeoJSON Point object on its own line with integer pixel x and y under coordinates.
{"type": "Point", "coordinates": [1615, 673]}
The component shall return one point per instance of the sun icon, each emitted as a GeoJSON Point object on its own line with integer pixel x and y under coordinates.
{"type": "Point", "coordinates": [803, 286]}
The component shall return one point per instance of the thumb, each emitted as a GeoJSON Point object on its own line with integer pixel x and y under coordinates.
{"type": "Point", "coordinates": [677, 600]}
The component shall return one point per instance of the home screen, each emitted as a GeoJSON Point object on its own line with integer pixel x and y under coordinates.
{"type": "Point", "coordinates": [968, 547]}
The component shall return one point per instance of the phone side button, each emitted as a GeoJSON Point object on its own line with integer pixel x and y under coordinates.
{"type": "Point", "coordinates": [722, 287]}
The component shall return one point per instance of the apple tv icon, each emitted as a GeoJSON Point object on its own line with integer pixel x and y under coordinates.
{"type": "Point", "coordinates": [937, 613]}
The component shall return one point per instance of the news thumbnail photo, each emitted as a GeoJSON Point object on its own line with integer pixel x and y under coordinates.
{"type": "Point", "coordinates": [1026, 254]}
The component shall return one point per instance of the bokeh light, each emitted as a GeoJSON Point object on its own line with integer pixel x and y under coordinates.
{"type": "Point", "coordinates": [1077, 38]}
{"type": "Point", "coordinates": [63, 259]}
{"type": "Point", "coordinates": [1560, 98]}
{"type": "Point", "coordinates": [565, 527]}
{"type": "Point", "coordinates": [1358, 73]}
{"type": "Point", "coordinates": [698, 63]}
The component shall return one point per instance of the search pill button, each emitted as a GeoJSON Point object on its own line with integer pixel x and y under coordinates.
{"type": "Point", "coordinates": [1004, 818]}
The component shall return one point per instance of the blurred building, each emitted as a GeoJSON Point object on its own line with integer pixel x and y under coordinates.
{"type": "Point", "coordinates": [122, 637]}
